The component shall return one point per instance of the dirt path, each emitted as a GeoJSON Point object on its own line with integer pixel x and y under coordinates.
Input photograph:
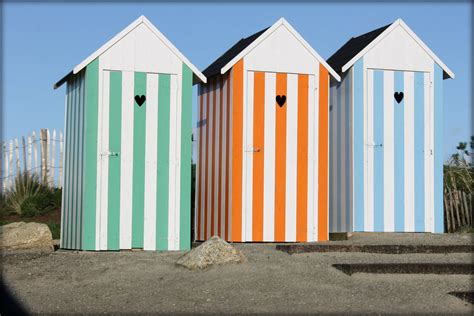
{"type": "Point", "coordinates": [271, 282]}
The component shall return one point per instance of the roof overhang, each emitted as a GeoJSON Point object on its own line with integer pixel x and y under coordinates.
{"type": "Point", "coordinates": [141, 20]}
{"type": "Point", "coordinates": [267, 33]}
{"type": "Point", "coordinates": [400, 23]}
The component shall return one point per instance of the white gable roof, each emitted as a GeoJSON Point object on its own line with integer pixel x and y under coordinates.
{"type": "Point", "coordinates": [141, 20]}
{"type": "Point", "coordinates": [266, 34]}
{"type": "Point", "coordinates": [402, 24]}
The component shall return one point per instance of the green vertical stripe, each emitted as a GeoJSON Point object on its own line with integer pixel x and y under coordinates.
{"type": "Point", "coordinates": [162, 185]}
{"type": "Point", "coordinates": [139, 131]}
{"type": "Point", "coordinates": [90, 165]}
{"type": "Point", "coordinates": [185, 190]}
{"type": "Point", "coordinates": [115, 127]}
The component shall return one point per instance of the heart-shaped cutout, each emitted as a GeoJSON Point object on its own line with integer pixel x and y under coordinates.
{"type": "Point", "coordinates": [281, 99]}
{"type": "Point", "coordinates": [140, 99]}
{"type": "Point", "coordinates": [398, 96]}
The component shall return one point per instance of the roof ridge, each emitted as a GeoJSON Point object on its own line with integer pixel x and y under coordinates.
{"type": "Point", "coordinates": [215, 67]}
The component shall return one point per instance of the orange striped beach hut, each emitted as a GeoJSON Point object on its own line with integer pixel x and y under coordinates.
{"type": "Point", "coordinates": [262, 153]}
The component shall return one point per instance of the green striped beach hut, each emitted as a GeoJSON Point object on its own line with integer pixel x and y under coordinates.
{"type": "Point", "coordinates": [127, 161]}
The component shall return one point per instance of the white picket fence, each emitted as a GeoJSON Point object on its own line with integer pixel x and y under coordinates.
{"type": "Point", "coordinates": [39, 153]}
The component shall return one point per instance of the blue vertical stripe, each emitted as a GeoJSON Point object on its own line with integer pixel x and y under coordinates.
{"type": "Point", "coordinates": [339, 151]}
{"type": "Point", "coordinates": [399, 159]}
{"type": "Point", "coordinates": [359, 145]}
{"type": "Point", "coordinates": [378, 151]}
{"type": "Point", "coordinates": [419, 152]}
{"type": "Point", "coordinates": [438, 150]}
{"type": "Point", "coordinates": [348, 178]}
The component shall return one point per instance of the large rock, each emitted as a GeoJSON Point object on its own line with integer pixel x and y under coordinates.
{"type": "Point", "coordinates": [212, 252]}
{"type": "Point", "coordinates": [21, 235]}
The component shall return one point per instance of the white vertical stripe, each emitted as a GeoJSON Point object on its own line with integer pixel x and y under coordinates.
{"type": "Point", "coordinates": [351, 149]}
{"type": "Point", "coordinates": [179, 110]}
{"type": "Point", "coordinates": [126, 161]}
{"type": "Point", "coordinates": [432, 148]}
{"type": "Point", "coordinates": [204, 189]}
{"type": "Point", "coordinates": [311, 160]}
{"type": "Point", "coordinates": [149, 227]}
{"type": "Point", "coordinates": [98, 205]}
{"type": "Point", "coordinates": [104, 126]}
{"type": "Point", "coordinates": [314, 101]}
{"type": "Point", "coordinates": [291, 155]}
{"type": "Point", "coordinates": [223, 156]}
{"type": "Point", "coordinates": [217, 159]}
{"type": "Point", "coordinates": [409, 91]}
{"type": "Point", "coordinates": [269, 158]}
{"type": "Point", "coordinates": [388, 152]}
{"type": "Point", "coordinates": [248, 161]}
{"type": "Point", "coordinates": [369, 210]}
{"type": "Point", "coordinates": [196, 132]}
{"type": "Point", "coordinates": [427, 153]}
{"type": "Point", "coordinates": [173, 165]}
{"type": "Point", "coordinates": [343, 155]}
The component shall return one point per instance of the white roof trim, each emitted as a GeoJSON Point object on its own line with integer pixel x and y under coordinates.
{"type": "Point", "coordinates": [128, 29]}
{"type": "Point", "coordinates": [402, 24]}
{"type": "Point", "coordinates": [267, 33]}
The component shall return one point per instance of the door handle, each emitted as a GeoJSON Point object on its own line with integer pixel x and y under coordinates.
{"type": "Point", "coordinates": [375, 145]}
{"type": "Point", "coordinates": [110, 153]}
{"type": "Point", "coordinates": [253, 150]}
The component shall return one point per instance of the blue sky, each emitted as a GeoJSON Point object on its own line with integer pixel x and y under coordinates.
{"type": "Point", "coordinates": [42, 42]}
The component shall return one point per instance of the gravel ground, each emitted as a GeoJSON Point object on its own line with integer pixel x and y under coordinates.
{"type": "Point", "coordinates": [270, 282]}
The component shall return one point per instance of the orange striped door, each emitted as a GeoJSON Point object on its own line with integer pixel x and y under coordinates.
{"type": "Point", "coordinates": [278, 141]}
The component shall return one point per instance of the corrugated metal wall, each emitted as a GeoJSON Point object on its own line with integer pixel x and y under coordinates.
{"type": "Point", "coordinates": [72, 195]}
{"type": "Point", "coordinates": [340, 155]}
{"type": "Point", "coordinates": [214, 169]}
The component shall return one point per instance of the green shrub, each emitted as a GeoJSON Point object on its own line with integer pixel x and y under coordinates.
{"type": "Point", "coordinates": [29, 197]}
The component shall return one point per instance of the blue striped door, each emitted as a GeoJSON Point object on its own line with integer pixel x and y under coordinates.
{"type": "Point", "coordinates": [398, 182]}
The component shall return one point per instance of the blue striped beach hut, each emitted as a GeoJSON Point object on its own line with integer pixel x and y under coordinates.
{"type": "Point", "coordinates": [386, 134]}
{"type": "Point", "coordinates": [127, 164]}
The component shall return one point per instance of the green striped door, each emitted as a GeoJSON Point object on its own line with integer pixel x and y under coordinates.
{"type": "Point", "coordinates": [142, 142]}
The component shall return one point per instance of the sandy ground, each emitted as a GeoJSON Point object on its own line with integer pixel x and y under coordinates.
{"type": "Point", "coordinates": [270, 282]}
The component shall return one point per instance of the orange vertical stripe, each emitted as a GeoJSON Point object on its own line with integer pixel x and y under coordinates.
{"type": "Point", "coordinates": [219, 177]}
{"type": "Point", "coordinates": [197, 207]}
{"type": "Point", "coordinates": [258, 144]}
{"type": "Point", "coordinates": [206, 185]}
{"type": "Point", "coordinates": [237, 148]}
{"type": "Point", "coordinates": [302, 167]}
{"type": "Point", "coordinates": [227, 159]}
{"type": "Point", "coordinates": [323, 155]}
{"type": "Point", "coordinates": [213, 171]}
{"type": "Point", "coordinates": [280, 159]}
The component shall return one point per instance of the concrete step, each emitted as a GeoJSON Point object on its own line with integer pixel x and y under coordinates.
{"type": "Point", "coordinates": [406, 268]}
{"type": "Point", "coordinates": [384, 249]}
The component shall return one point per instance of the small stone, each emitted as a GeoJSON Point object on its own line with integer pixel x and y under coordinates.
{"type": "Point", "coordinates": [214, 251]}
